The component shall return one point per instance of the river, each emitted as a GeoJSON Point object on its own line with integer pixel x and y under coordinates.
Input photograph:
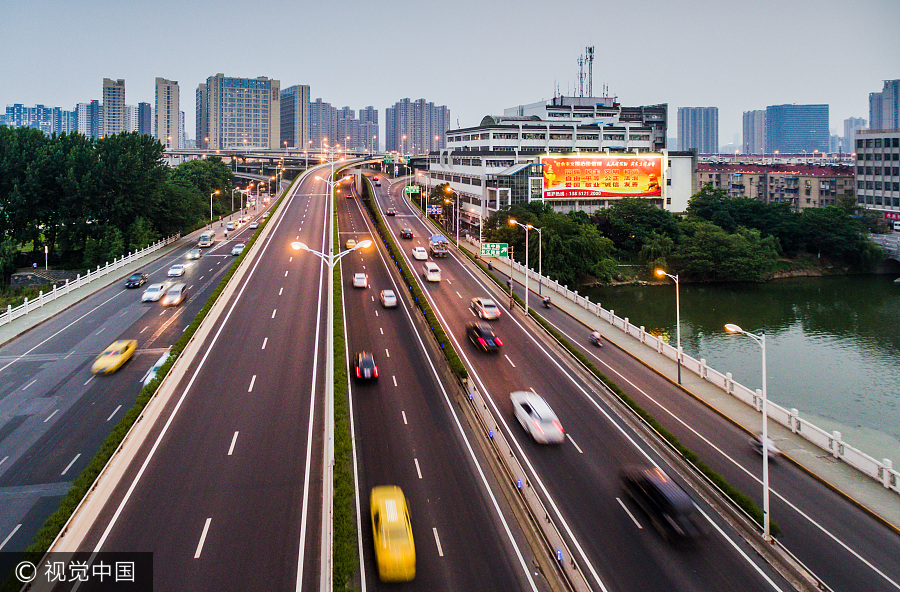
{"type": "Point", "coordinates": [832, 344]}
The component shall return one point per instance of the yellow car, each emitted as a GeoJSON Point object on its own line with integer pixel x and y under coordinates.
{"type": "Point", "coordinates": [395, 551]}
{"type": "Point", "coordinates": [351, 243]}
{"type": "Point", "coordinates": [114, 356]}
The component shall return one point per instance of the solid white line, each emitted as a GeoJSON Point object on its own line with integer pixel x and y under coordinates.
{"type": "Point", "coordinates": [580, 451]}
{"type": "Point", "coordinates": [100, 331]}
{"type": "Point", "coordinates": [395, 379]}
{"type": "Point", "coordinates": [202, 539]}
{"type": "Point", "coordinates": [14, 531]}
{"type": "Point", "coordinates": [402, 413]}
{"type": "Point", "coordinates": [29, 384]}
{"type": "Point", "coordinates": [69, 466]}
{"type": "Point", "coordinates": [3, 460]}
{"type": "Point", "coordinates": [69, 354]}
{"type": "Point", "coordinates": [113, 413]}
{"type": "Point", "coordinates": [438, 542]}
{"type": "Point", "coordinates": [265, 341]}
{"type": "Point", "coordinates": [55, 411]}
{"type": "Point", "coordinates": [508, 360]}
{"type": "Point", "coordinates": [630, 515]}
{"type": "Point", "coordinates": [252, 380]}
{"type": "Point", "coordinates": [274, 310]}
{"type": "Point", "coordinates": [418, 470]}
{"type": "Point", "coordinates": [233, 441]}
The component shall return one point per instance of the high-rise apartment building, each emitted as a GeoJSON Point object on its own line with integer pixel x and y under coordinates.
{"type": "Point", "coordinates": [754, 132]}
{"type": "Point", "coordinates": [201, 125]}
{"type": "Point", "coordinates": [875, 110]}
{"type": "Point", "coordinates": [113, 106]}
{"type": "Point", "coordinates": [89, 118]}
{"type": "Point", "coordinates": [890, 105]}
{"type": "Point", "coordinates": [416, 127]}
{"type": "Point", "coordinates": [50, 120]}
{"type": "Point", "coordinates": [145, 119]}
{"type": "Point", "coordinates": [131, 118]}
{"type": "Point", "coordinates": [322, 124]}
{"type": "Point", "coordinates": [242, 112]}
{"type": "Point", "coordinates": [698, 129]}
{"type": "Point", "coordinates": [851, 126]}
{"type": "Point", "coordinates": [167, 119]}
{"type": "Point", "coordinates": [368, 128]}
{"type": "Point", "coordinates": [295, 117]}
{"type": "Point", "coordinates": [793, 129]}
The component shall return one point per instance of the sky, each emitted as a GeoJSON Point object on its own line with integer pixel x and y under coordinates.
{"type": "Point", "coordinates": [477, 57]}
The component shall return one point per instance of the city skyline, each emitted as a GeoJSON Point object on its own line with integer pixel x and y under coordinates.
{"type": "Point", "coordinates": [473, 80]}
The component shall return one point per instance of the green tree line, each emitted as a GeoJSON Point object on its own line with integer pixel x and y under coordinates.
{"type": "Point", "coordinates": [96, 199]}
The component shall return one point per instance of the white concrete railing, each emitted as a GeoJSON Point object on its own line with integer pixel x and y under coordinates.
{"type": "Point", "coordinates": [882, 471]}
{"type": "Point", "coordinates": [10, 314]}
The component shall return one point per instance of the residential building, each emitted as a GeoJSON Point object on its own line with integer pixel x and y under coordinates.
{"type": "Point", "coordinates": [797, 128]}
{"type": "Point", "coordinates": [202, 120]}
{"type": "Point", "coordinates": [322, 124]}
{"type": "Point", "coordinates": [368, 128]}
{"type": "Point", "coordinates": [242, 113]}
{"type": "Point", "coordinates": [698, 129]}
{"type": "Point", "coordinates": [851, 126]}
{"type": "Point", "coordinates": [183, 139]}
{"type": "Point", "coordinates": [876, 118]}
{"type": "Point", "coordinates": [878, 171]}
{"type": "Point", "coordinates": [145, 119]}
{"type": "Point", "coordinates": [415, 127]}
{"type": "Point", "coordinates": [113, 106]}
{"type": "Point", "coordinates": [754, 132]}
{"type": "Point", "coordinates": [131, 118]}
{"type": "Point", "coordinates": [50, 120]}
{"type": "Point", "coordinates": [167, 121]}
{"type": "Point", "coordinates": [295, 116]}
{"type": "Point", "coordinates": [90, 118]}
{"type": "Point", "coordinates": [801, 185]}
{"type": "Point", "coordinates": [890, 105]}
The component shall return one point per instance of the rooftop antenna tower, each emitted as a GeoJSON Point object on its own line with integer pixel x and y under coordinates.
{"type": "Point", "coordinates": [581, 76]}
{"type": "Point", "coordinates": [590, 61]}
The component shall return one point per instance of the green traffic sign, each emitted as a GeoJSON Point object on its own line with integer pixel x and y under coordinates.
{"type": "Point", "coordinates": [411, 189]}
{"type": "Point", "coordinates": [388, 159]}
{"type": "Point", "coordinates": [494, 249]}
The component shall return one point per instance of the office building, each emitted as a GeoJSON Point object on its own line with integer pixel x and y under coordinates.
{"type": "Point", "coordinates": [113, 106]}
{"type": "Point", "coordinates": [415, 127]}
{"type": "Point", "coordinates": [242, 113]}
{"type": "Point", "coordinates": [698, 129]}
{"type": "Point", "coordinates": [322, 124]}
{"type": "Point", "coordinates": [797, 128]}
{"type": "Point", "coordinates": [754, 132]}
{"type": "Point", "coordinates": [145, 119]}
{"type": "Point", "coordinates": [167, 121]}
{"type": "Point", "coordinates": [878, 171]}
{"type": "Point", "coordinates": [89, 118]}
{"type": "Point", "coordinates": [295, 117]}
{"type": "Point", "coordinates": [201, 124]}
{"type": "Point", "coordinates": [851, 126]}
{"type": "Point", "coordinates": [50, 120]}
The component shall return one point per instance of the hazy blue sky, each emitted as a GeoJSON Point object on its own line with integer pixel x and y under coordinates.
{"type": "Point", "coordinates": [476, 57]}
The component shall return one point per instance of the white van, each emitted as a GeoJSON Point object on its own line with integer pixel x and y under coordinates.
{"type": "Point", "coordinates": [431, 272]}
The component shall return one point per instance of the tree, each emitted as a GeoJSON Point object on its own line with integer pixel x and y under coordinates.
{"type": "Point", "coordinates": [709, 253]}
{"type": "Point", "coordinates": [630, 221]}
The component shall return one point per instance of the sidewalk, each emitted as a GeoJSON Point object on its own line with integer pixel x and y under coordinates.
{"type": "Point", "coordinates": [846, 480]}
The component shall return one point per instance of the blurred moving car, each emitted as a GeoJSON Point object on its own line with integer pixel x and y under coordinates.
{"type": "Point", "coordinates": [151, 373]}
{"type": "Point", "coordinates": [237, 249]}
{"type": "Point", "coordinates": [419, 253]}
{"type": "Point", "coordinates": [194, 254]}
{"type": "Point", "coordinates": [153, 292]}
{"type": "Point", "coordinates": [483, 336]}
{"type": "Point", "coordinates": [114, 356]}
{"type": "Point", "coordinates": [395, 550]}
{"type": "Point", "coordinates": [360, 280]}
{"type": "Point", "coordinates": [536, 417]}
{"type": "Point", "coordinates": [365, 366]}
{"type": "Point", "coordinates": [756, 443]}
{"type": "Point", "coordinates": [136, 280]}
{"type": "Point", "coordinates": [174, 295]}
{"type": "Point", "coordinates": [391, 211]}
{"type": "Point", "coordinates": [350, 243]}
{"type": "Point", "coordinates": [176, 270]}
{"type": "Point", "coordinates": [406, 233]}
{"type": "Point", "coordinates": [388, 299]}
{"type": "Point", "coordinates": [485, 308]}
{"type": "Point", "coordinates": [229, 225]}
{"type": "Point", "coordinates": [669, 508]}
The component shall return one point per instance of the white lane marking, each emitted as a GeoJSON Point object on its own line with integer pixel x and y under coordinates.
{"type": "Point", "coordinates": [395, 379]}
{"type": "Point", "coordinates": [191, 287]}
{"type": "Point", "coordinates": [144, 329]}
{"type": "Point", "coordinates": [162, 312]}
{"type": "Point", "coordinates": [55, 411]}
{"type": "Point", "coordinates": [3, 460]}
{"type": "Point", "coordinates": [578, 448]}
{"type": "Point", "coordinates": [69, 466]}
{"type": "Point", "coordinates": [403, 413]}
{"type": "Point", "coordinates": [69, 354]}
{"type": "Point", "coordinates": [100, 331]}
{"type": "Point", "coordinates": [298, 237]}
{"type": "Point", "coordinates": [376, 313]}
{"type": "Point", "coordinates": [418, 470]}
{"type": "Point", "coordinates": [508, 360]}
{"type": "Point", "coordinates": [291, 260]}
{"type": "Point", "coordinates": [29, 384]}
{"type": "Point", "coordinates": [280, 291]}
{"type": "Point", "coordinates": [252, 380]}
{"type": "Point", "coordinates": [382, 330]}
{"type": "Point", "coordinates": [265, 341]}
{"type": "Point", "coordinates": [274, 310]}
{"type": "Point", "coordinates": [202, 539]}
{"type": "Point", "coordinates": [14, 531]}
{"type": "Point", "coordinates": [285, 272]}
{"type": "Point", "coordinates": [448, 281]}
{"type": "Point", "coordinates": [116, 410]}
{"type": "Point", "coordinates": [460, 295]}
{"type": "Point", "coordinates": [233, 442]}
{"type": "Point", "coordinates": [387, 353]}
{"type": "Point", "coordinates": [185, 329]}
{"type": "Point", "coordinates": [630, 515]}
{"type": "Point", "coordinates": [201, 277]}
{"type": "Point", "coordinates": [438, 542]}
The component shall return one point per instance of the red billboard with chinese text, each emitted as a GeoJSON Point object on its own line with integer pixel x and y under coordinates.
{"type": "Point", "coordinates": [607, 175]}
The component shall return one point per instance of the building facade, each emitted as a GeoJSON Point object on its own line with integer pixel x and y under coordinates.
{"type": "Point", "coordinates": [295, 117]}
{"type": "Point", "coordinates": [145, 119]}
{"type": "Point", "coordinates": [322, 125]}
{"type": "Point", "coordinates": [50, 120]}
{"type": "Point", "coordinates": [884, 107]}
{"type": "Point", "coordinates": [698, 129]}
{"type": "Point", "coordinates": [368, 129]}
{"type": "Point", "coordinates": [113, 106]}
{"type": "Point", "coordinates": [201, 123]}
{"type": "Point", "coordinates": [415, 127]}
{"type": "Point", "coordinates": [167, 119]}
{"type": "Point", "coordinates": [878, 171]}
{"type": "Point", "coordinates": [754, 132]}
{"type": "Point", "coordinates": [851, 126]}
{"type": "Point", "coordinates": [242, 112]}
{"type": "Point", "coordinates": [797, 128]}
{"type": "Point", "coordinates": [89, 118]}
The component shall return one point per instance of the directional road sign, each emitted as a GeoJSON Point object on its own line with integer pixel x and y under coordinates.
{"type": "Point", "coordinates": [433, 210]}
{"type": "Point", "coordinates": [411, 189]}
{"type": "Point", "coordinates": [494, 249]}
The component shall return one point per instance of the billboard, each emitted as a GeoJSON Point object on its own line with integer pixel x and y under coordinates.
{"type": "Point", "coordinates": [604, 175]}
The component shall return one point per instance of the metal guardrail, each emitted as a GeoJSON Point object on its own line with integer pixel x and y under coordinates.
{"type": "Point", "coordinates": [11, 314]}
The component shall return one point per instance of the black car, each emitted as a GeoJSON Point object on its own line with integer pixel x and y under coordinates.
{"type": "Point", "coordinates": [406, 233]}
{"type": "Point", "coordinates": [666, 504]}
{"type": "Point", "coordinates": [136, 280]}
{"type": "Point", "coordinates": [365, 366]}
{"type": "Point", "coordinates": [483, 336]}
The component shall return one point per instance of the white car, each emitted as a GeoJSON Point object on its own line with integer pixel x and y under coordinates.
{"type": "Point", "coordinates": [485, 308]}
{"type": "Point", "coordinates": [174, 295]}
{"type": "Point", "coordinates": [151, 373]}
{"type": "Point", "coordinates": [229, 225]}
{"type": "Point", "coordinates": [237, 249]}
{"type": "Point", "coordinates": [537, 418]}
{"type": "Point", "coordinates": [153, 292]}
{"type": "Point", "coordinates": [176, 270]}
{"type": "Point", "coordinates": [419, 253]}
{"type": "Point", "coordinates": [388, 298]}
{"type": "Point", "coordinates": [254, 224]}
{"type": "Point", "coordinates": [360, 280]}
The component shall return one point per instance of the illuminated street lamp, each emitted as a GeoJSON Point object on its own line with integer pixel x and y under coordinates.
{"type": "Point", "coordinates": [527, 227]}
{"type": "Point", "coordinates": [216, 192]}
{"type": "Point", "coordinates": [761, 341]}
{"type": "Point", "coordinates": [674, 278]}
{"type": "Point", "coordinates": [456, 222]}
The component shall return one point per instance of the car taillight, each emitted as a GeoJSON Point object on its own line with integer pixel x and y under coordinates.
{"type": "Point", "coordinates": [375, 371]}
{"type": "Point", "coordinates": [482, 342]}
{"type": "Point", "coordinates": [357, 372]}
{"type": "Point", "coordinates": [538, 426]}
{"type": "Point", "coordinates": [559, 427]}
{"type": "Point", "coordinates": [497, 341]}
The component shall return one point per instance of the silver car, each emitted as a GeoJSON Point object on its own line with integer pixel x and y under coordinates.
{"type": "Point", "coordinates": [537, 418]}
{"type": "Point", "coordinates": [388, 298]}
{"type": "Point", "coordinates": [153, 292]}
{"type": "Point", "coordinates": [237, 249]}
{"type": "Point", "coordinates": [360, 280]}
{"type": "Point", "coordinates": [485, 308]}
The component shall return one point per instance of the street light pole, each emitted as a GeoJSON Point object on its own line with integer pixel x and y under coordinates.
{"type": "Point", "coordinates": [216, 192]}
{"type": "Point", "coordinates": [456, 222]}
{"type": "Point", "coordinates": [761, 341]}
{"type": "Point", "coordinates": [674, 278]}
{"type": "Point", "coordinates": [527, 227]}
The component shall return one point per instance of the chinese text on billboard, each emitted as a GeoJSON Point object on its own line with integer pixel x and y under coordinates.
{"type": "Point", "coordinates": [612, 175]}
